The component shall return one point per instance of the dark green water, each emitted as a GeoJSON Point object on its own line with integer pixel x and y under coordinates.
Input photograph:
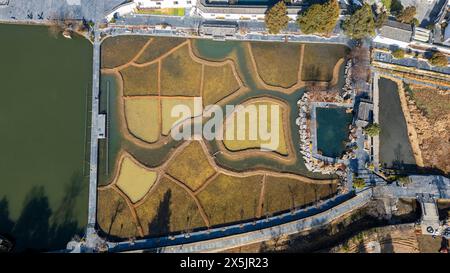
{"type": "Point", "coordinates": [332, 130]}
{"type": "Point", "coordinates": [45, 94]}
{"type": "Point", "coordinates": [395, 149]}
{"type": "Point", "coordinates": [210, 50]}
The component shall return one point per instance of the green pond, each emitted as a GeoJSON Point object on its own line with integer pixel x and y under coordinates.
{"type": "Point", "coordinates": [395, 148]}
{"type": "Point", "coordinates": [211, 50]}
{"type": "Point", "coordinates": [45, 88]}
{"type": "Point", "coordinates": [332, 130]}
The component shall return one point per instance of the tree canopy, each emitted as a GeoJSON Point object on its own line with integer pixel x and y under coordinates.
{"type": "Point", "coordinates": [359, 183]}
{"type": "Point", "coordinates": [319, 18]}
{"type": "Point", "coordinates": [276, 18]}
{"type": "Point", "coordinates": [398, 53]}
{"type": "Point", "coordinates": [360, 24]}
{"type": "Point", "coordinates": [372, 129]}
{"type": "Point", "coordinates": [407, 15]}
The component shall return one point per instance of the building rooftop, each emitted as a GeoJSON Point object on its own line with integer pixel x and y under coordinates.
{"type": "Point", "coordinates": [396, 31]}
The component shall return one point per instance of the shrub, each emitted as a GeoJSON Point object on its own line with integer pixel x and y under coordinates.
{"type": "Point", "coordinates": [372, 129]}
{"type": "Point", "coordinates": [398, 53]}
{"type": "Point", "coordinates": [438, 59]}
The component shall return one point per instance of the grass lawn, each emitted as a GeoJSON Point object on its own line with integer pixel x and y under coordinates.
{"type": "Point", "coordinates": [319, 61]}
{"type": "Point", "coordinates": [168, 209]}
{"type": "Point", "coordinates": [140, 81]}
{"type": "Point", "coordinates": [168, 104]}
{"type": "Point", "coordinates": [158, 47]}
{"type": "Point", "coordinates": [248, 143]}
{"type": "Point", "coordinates": [219, 82]}
{"type": "Point", "coordinates": [166, 11]}
{"type": "Point", "coordinates": [277, 63]}
{"type": "Point", "coordinates": [180, 75]}
{"type": "Point", "coordinates": [134, 180]}
{"type": "Point", "coordinates": [119, 50]}
{"type": "Point", "coordinates": [191, 166]}
{"type": "Point", "coordinates": [229, 199]}
{"type": "Point", "coordinates": [114, 216]}
{"type": "Point", "coordinates": [142, 116]}
{"type": "Point", "coordinates": [283, 193]}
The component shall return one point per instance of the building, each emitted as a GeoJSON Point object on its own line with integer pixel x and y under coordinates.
{"type": "Point", "coordinates": [364, 114]}
{"type": "Point", "coordinates": [421, 35]}
{"type": "Point", "coordinates": [395, 33]}
{"type": "Point", "coordinates": [218, 29]}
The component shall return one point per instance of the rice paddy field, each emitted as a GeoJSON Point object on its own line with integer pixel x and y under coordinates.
{"type": "Point", "coordinates": [185, 185]}
{"type": "Point", "coordinates": [44, 116]}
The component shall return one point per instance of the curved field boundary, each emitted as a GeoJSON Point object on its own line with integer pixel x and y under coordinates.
{"type": "Point", "coordinates": [290, 158]}
{"type": "Point", "coordinates": [267, 86]}
{"type": "Point", "coordinates": [412, 134]}
{"type": "Point", "coordinates": [336, 69]}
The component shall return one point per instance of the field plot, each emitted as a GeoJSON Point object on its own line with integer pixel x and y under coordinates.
{"type": "Point", "coordinates": [230, 199]}
{"type": "Point", "coordinates": [168, 209]}
{"type": "Point", "coordinates": [430, 114]}
{"type": "Point", "coordinates": [169, 120]}
{"type": "Point", "coordinates": [252, 139]}
{"type": "Point", "coordinates": [140, 81]}
{"type": "Point", "coordinates": [142, 116]}
{"type": "Point", "coordinates": [158, 47]}
{"type": "Point", "coordinates": [219, 82]}
{"type": "Point", "coordinates": [120, 50]}
{"type": "Point", "coordinates": [134, 180]}
{"type": "Point", "coordinates": [277, 63]}
{"type": "Point", "coordinates": [284, 193]}
{"type": "Point", "coordinates": [180, 75]}
{"type": "Point", "coordinates": [191, 166]}
{"type": "Point", "coordinates": [115, 217]}
{"type": "Point", "coordinates": [319, 61]}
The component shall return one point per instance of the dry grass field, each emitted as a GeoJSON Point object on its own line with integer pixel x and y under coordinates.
{"type": "Point", "coordinates": [191, 166]}
{"type": "Point", "coordinates": [430, 113]}
{"type": "Point", "coordinates": [229, 199]}
{"type": "Point", "coordinates": [114, 215]}
{"type": "Point", "coordinates": [140, 81]}
{"type": "Point", "coordinates": [134, 180]}
{"type": "Point", "coordinates": [168, 209]}
{"type": "Point", "coordinates": [142, 116]}
{"type": "Point", "coordinates": [249, 141]}
{"type": "Point", "coordinates": [219, 82]}
{"type": "Point", "coordinates": [180, 75]}
{"type": "Point", "coordinates": [158, 47]}
{"type": "Point", "coordinates": [319, 61]}
{"type": "Point", "coordinates": [120, 50]}
{"type": "Point", "coordinates": [284, 193]}
{"type": "Point", "coordinates": [277, 63]}
{"type": "Point", "coordinates": [167, 104]}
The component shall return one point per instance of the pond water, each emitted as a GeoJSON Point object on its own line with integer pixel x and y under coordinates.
{"type": "Point", "coordinates": [45, 86]}
{"type": "Point", "coordinates": [332, 130]}
{"type": "Point", "coordinates": [395, 148]}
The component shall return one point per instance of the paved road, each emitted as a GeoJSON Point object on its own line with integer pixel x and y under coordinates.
{"type": "Point", "coordinates": [436, 185]}
{"type": "Point", "coordinates": [92, 210]}
{"type": "Point", "coordinates": [40, 10]}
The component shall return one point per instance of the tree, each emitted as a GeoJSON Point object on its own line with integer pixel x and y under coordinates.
{"type": "Point", "coordinates": [319, 18]}
{"type": "Point", "coordinates": [276, 18]}
{"type": "Point", "coordinates": [398, 53]}
{"type": "Point", "coordinates": [387, 4]}
{"type": "Point", "coordinates": [407, 15]}
{"type": "Point", "coordinates": [372, 129]}
{"type": "Point", "coordinates": [359, 183]}
{"type": "Point", "coordinates": [438, 59]}
{"type": "Point", "coordinates": [381, 19]}
{"type": "Point", "coordinates": [360, 24]}
{"type": "Point", "coordinates": [396, 7]}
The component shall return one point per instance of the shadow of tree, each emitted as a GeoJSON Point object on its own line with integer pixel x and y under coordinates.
{"type": "Point", "coordinates": [160, 223]}
{"type": "Point", "coordinates": [38, 228]}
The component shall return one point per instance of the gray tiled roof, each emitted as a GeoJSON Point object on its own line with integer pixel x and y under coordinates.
{"type": "Point", "coordinates": [397, 31]}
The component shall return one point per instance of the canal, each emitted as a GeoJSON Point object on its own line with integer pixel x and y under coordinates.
{"type": "Point", "coordinates": [44, 119]}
